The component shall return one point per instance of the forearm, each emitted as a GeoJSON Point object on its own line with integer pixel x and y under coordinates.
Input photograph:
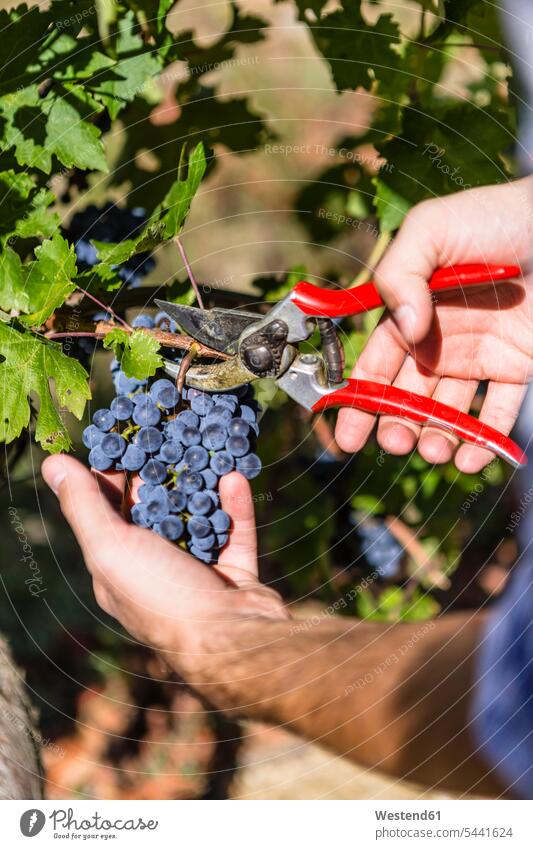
{"type": "Point", "coordinates": [392, 697]}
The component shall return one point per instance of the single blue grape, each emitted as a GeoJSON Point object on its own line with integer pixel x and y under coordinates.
{"type": "Point", "coordinates": [249, 466]}
{"type": "Point", "coordinates": [200, 504]}
{"type": "Point", "coordinates": [189, 482]}
{"type": "Point", "coordinates": [133, 459]}
{"type": "Point", "coordinates": [214, 436]}
{"type": "Point", "coordinates": [141, 398]}
{"type": "Point", "coordinates": [220, 522]}
{"type": "Point", "coordinates": [210, 479]}
{"type": "Point", "coordinates": [113, 445]}
{"type": "Point", "coordinates": [165, 393]}
{"type": "Point", "coordinates": [157, 508]}
{"type": "Point", "coordinates": [164, 320]}
{"type": "Point", "coordinates": [178, 500]}
{"type": "Point", "coordinates": [153, 472]}
{"type": "Point", "coordinates": [202, 405]}
{"type": "Point", "coordinates": [237, 446]}
{"type": "Point", "coordinates": [92, 436]}
{"type": "Point", "coordinates": [149, 439]}
{"type": "Point", "coordinates": [174, 430]}
{"type": "Point", "coordinates": [219, 415]}
{"type": "Point", "coordinates": [191, 436]}
{"type": "Point", "coordinates": [204, 543]}
{"type": "Point", "coordinates": [199, 526]}
{"type": "Point", "coordinates": [171, 527]}
{"type": "Point", "coordinates": [98, 460]}
{"type": "Point", "coordinates": [238, 427]}
{"type": "Point", "coordinates": [227, 400]}
{"type": "Point", "coordinates": [188, 418]}
{"type": "Point", "coordinates": [143, 320]}
{"type": "Point", "coordinates": [204, 556]}
{"type": "Point", "coordinates": [122, 408]}
{"type": "Point", "coordinates": [148, 491]}
{"type": "Point", "coordinates": [247, 413]}
{"type": "Point", "coordinates": [126, 385]}
{"type": "Point", "coordinates": [222, 463]}
{"type": "Point", "coordinates": [171, 452]}
{"type": "Point", "coordinates": [139, 516]}
{"type": "Point", "coordinates": [146, 413]}
{"type": "Point", "coordinates": [196, 458]}
{"type": "Point", "coordinates": [104, 420]}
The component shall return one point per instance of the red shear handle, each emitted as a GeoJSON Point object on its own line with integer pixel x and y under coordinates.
{"type": "Point", "coordinates": [312, 300]}
{"type": "Point", "coordinates": [379, 398]}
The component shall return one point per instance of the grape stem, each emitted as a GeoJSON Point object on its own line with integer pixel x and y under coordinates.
{"type": "Point", "coordinates": [189, 270]}
{"type": "Point", "coordinates": [427, 565]}
{"type": "Point", "coordinates": [184, 365]}
{"type": "Point", "coordinates": [105, 308]}
{"type": "Point", "coordinates": [164, 337]}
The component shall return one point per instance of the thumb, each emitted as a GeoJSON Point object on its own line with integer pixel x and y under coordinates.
{"type": "Point", "coordinates": [84, 501]}
{"type": "Point", "coordinates": [241, 550]}
{"type": "Point", "coordinates": [403, 274]}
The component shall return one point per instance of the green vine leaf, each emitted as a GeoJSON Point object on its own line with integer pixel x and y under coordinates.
{"type": "Point", "coordinates": [13, 294]}
{"type": "Point", "coordinates": [135, 65]}
{"type": "Point", "coordinates": [178, 200]}
{"type": "Point", "coordinates": [358, 53]}
{"type": "Point", "coordinates": [28, 365]}
{"type": "Point", "coordinates": [137, 352]}
{"type": "Point", "coordinates": [165, 223]}
{"type": "Point", "coordinates": [75, 141]}
{"type": "Point", "coordinates": [49, 279]}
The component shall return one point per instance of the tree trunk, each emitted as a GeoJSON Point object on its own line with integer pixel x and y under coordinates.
{"type": "Point", "coordinates": [20, 767]}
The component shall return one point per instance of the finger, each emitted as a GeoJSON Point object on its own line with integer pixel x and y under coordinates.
{"type": "Point", "coordinates": [83, 501]}
{"type": "Point", "coordinates": [381, 359]}
{"type": "Point", "coordinates": [403, 274]}
{"type": "Point", "coordinates": [241, 551]}
{"type": "Point", "coordinates": [436, 445]}
{"type": "Point", "coordinates": [500, 410]}
{"type": "Point", "coordinates": [112, 485]}
{"type": "Point", "coordinates": [396, 435]}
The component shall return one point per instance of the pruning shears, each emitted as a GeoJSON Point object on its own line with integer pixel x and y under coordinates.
{"type": "Point", "coordinates": [267, 346]}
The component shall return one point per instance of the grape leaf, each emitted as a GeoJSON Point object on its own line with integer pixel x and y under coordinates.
{"type": "Point", "coordinates": [358, 53]}
{"type": "Point", "coordinates": [135, 65]}
{"type": "Point", "coordinates": [28, 365]}
{"type": "Point", "coordinates": [75, 141]}
{"type": "Point", "coordinates": [136, 352]}
{"type": "Point", "coordinates": [38, 221]}
{"type": "Point", "coordinates": [23, 33]}
{"type": "Point", "coordinates": [178, 200]}
{"type": "Point", "coordinates": [25, 128]}
{"type": "Point", "coordinates": [440, 153]}
{"type": "Point", "coordinates": [165, 222]}
{"type": "Point", "coordinates": [15, 191]}
{"type": "Point", "coordinates": [391, 207]}
{"type": "Point", "coordinates": [48, 280]}
{"type": "Point", "coordinates": [13, 295]}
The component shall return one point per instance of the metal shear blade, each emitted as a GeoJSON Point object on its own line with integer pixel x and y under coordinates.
{"type": "Point", "coordinates": [218, 328]}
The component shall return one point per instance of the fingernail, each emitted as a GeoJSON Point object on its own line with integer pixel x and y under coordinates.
{"type": "Point", "coordinates": [405, 318]}
{"type": "Point", "coordinates": [54, 479]}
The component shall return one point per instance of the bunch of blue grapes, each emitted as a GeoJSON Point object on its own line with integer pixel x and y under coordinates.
{"type": "Point", "coordinates": [180, 445]}
{"type": "Point", "coordinates": [110, 223]}
{"type": "Point", "coordinates": [380, 548]}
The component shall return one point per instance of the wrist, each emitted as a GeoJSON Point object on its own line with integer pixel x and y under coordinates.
{"type": "Point", "coordinates": [199, 651]}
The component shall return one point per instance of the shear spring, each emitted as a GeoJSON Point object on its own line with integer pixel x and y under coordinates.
{"type": "Point", "coordinates": [332, 349]}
